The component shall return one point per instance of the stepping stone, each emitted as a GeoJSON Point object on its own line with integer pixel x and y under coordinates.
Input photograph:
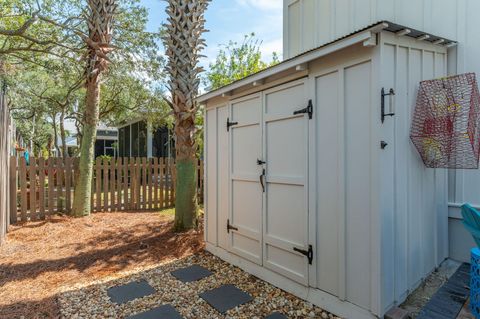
{"type": "Point", "coordinates": [225, 297]}
{"type": "Point", "coordinates": [192, 273]}
{"type": "Point", "coordinates": [276, 315]}
{"type": "Point", "coordinates": [163, 312]}
{"type": "Point", "coordinates": [131, 291]}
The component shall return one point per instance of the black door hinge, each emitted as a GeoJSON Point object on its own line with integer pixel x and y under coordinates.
{"type": "Point", "coordinates": [308, 110]}
{"type": "Point", "coordinates": [230, 227]}
{"type": "Point", "coordinates": [308, 253]}
{"type": "Point", "coordinates": [230, 124]}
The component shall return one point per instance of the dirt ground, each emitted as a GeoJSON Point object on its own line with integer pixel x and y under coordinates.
{"type": "Point", "coordinates": [41, 258]}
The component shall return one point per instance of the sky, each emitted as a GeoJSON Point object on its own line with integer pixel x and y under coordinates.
{"type": "Point", "coordinates": [232, 20]}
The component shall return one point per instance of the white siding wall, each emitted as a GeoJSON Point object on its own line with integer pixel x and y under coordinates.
{"type": "Point", "coordinates": [414, 198]}
{"type": "Point", "coordinates": [311, 23]}
{"type": "Point", "coordinates": [216, 171]}
{"type": "Point", "coordinates": [346, 168]}
{"type": "Point", "coordinates": [454, 19]}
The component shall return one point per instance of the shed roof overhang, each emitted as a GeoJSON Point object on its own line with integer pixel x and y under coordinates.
{"type": "Point", "coordinates": [367, 36]}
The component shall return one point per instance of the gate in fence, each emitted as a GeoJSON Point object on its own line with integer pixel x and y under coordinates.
{"type": "Point", "coordinates": [45, 186]}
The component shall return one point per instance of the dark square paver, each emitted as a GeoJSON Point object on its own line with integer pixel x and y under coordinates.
{"type": "Point", "coordinates": [225, 297]}
{"type": "Point", "coordinates": [130, 291]}
{"type": "Point", "coordinates": [276, 315]}
{"type": "Point", "coordinates": [191, 273]}
{"type": "Point", "coordinates": [162, 312]}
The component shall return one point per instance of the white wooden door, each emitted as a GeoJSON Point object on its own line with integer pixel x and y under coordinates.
{"type": "Point", "coordinates": [285, 232]}
{"type": "Point", "coordinates": [246, 200]}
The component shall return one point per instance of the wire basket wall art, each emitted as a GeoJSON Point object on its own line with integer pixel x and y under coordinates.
{"type": "Point", "coordinates": [446, 122]}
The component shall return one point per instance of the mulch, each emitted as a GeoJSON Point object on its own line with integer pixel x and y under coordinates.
{"type": "Point", "coordinates": [41, 258]}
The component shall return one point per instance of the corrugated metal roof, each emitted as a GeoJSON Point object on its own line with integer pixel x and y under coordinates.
{"type": "Point", "coordinates": [391, 27]}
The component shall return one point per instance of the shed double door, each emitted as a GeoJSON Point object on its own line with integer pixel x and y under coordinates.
{"type": "Point", "coordinates": [268, 220]}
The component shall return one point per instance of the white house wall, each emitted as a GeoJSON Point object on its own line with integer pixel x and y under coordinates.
{"type": "Point", "coordinates": [464, 185]}
{"type": "Point", "coordinates": [414, 198]}
{"type": "Point", "coordinates": [311, 23]}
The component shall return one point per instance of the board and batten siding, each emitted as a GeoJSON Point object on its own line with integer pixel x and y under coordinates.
{"type": "Point", "coordinates": [415, 214]}
{"type": "Point", "coordinates": [216, 173]}
{"type": "Point", "coordinates": [312, 23]}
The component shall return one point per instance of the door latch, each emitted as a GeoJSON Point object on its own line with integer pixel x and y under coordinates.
{"type": "Point", "coordinates": [230, 227]}
{"type": "Point", "coordinates": [230, 124]}
{"type": "Point", "coordinates": [308, 110]}
{"type": "Point", "coordinates": [308, 253]}
{"type": "Point", "coordinates": [260, 162]}
{"type": "Point", "coordinates": [262, 182]}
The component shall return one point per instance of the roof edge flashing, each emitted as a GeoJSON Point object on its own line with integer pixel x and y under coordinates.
{"type": "Point", "coordinates": [293, 63]}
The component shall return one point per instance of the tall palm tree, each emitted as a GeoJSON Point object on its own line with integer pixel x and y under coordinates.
{"type": "Point", "coordinates": [99, 16]}
{"type": "Point", "coordinates": [183, 41]}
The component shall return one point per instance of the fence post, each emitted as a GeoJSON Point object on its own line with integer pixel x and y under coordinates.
{"type": "Point", "coordinates": [13, 190]}
{"type": "Point", "coordinates": [68, 185]}
{"type": "Point", "coordinates": [41, 187]}
{"type": "Point", "coordinates": [32, 177]}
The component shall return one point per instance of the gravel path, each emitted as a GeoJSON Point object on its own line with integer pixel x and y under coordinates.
{"type": "Point", "coordinates": [93, 302]}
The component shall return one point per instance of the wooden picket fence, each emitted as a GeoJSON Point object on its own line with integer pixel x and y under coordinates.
{"type": "Point", "coordinates": [45, 186]}
{"type": "Point", "coordinates": [5, 141]}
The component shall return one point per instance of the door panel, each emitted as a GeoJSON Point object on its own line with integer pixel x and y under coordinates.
{"type": "Point", "coordinates": [223, 177]}
{"type": "Point", "coordinates": [245, 190]}
{"type": "Point", "coordinates": [286, 156]}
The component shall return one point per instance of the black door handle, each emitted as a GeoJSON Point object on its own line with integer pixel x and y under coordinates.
{"type": "Point", "coordinates": [261, 181]}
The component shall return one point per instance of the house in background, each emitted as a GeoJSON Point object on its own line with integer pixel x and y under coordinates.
{"type": "Point", "coordinates": [139, 138]}
{"type": "Point", "coordinates": [72, 146]}
{"type": "Point", "coordinates": [105, 144]}
{"type": "Point", "coordinates": [312, 183]}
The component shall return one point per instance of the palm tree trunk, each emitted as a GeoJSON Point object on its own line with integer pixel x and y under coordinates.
{"type": "Point", "coordinates": [100, 17]}
{"type": "Point", "coordinates": [184, 42]}
{"type": "Point", "coordinates": [81, 202]}
{"type": "Point", "coordinates": [186, 186]}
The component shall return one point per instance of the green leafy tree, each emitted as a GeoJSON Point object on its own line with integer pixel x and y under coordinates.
{"type": "Point", "coordinates": [236, 61]}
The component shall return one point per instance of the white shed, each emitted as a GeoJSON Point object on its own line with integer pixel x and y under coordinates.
{"type": "Point", "coordinates": [329, 203]}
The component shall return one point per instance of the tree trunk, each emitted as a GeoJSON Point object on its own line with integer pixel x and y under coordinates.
{"type": "Point", "coordinates": [55, 133]}
{"type": "Point", "coordinates": [63, 135]}
{"type": "Point", "coordinates": [186, 186]}
{"type": "Point", "coordinates": [186, 194]}
{"type": "Point", "coordinates": [183, 42]}
{"type": "Point", "coordinates": [83, 185]}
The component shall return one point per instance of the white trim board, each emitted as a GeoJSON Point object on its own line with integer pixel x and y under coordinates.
{"type": "Point", "coordinates": [317, 297]}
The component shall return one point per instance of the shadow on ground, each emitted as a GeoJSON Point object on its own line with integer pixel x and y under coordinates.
{"type": "Point", "coordinates": [42, 258]}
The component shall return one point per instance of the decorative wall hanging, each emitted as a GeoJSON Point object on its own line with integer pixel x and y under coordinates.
{"type": "Point", "coordinates": [446, 122]}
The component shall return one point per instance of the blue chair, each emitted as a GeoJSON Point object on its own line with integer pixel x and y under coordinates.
{"type": "Point", "coordinates": [471, 221]}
